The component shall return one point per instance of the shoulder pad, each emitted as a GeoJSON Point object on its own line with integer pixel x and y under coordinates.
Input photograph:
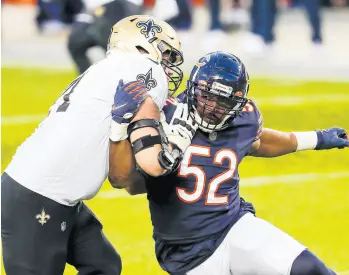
{"type": "Point", "coordinates": [251, 115]}
{"type": "Point", "coordinates": [258, 117]}
{"type": "Point", "coordinates": [251, 109]}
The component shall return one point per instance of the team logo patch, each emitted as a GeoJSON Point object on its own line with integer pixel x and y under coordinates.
{"type": "Point", "coordinates": [147, 79]}
{"type": "Point", "coordinates": [42, 217]}
{"type": "Point", "coordinates": [148, 28]}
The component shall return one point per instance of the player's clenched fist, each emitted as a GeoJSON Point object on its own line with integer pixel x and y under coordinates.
{"type": "Point", "coordinates": [334, 137]}
{"type": "Point", "coordinates": [127, 99]}
{"type": "Point", "coordinates": [182, 127]}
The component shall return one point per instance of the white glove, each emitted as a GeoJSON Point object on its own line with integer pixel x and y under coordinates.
{"type": "Point", "coordinates": [182, 127]}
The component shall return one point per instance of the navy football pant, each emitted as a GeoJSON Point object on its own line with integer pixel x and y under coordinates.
{"type": "Point", "coordinates": [308, 264]}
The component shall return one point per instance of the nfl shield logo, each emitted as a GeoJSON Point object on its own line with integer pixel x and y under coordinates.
{"type": "Point", "coordinates": [63, 226]}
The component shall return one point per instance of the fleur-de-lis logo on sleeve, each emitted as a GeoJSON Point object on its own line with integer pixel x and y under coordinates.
{"type": "Point", "coordinates": [149, 28]}
{"type": "Point", "coordinates": [147, 79]}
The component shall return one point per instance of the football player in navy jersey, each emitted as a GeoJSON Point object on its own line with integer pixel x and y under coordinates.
{"type": "Point", "coordinates": [201, 224]}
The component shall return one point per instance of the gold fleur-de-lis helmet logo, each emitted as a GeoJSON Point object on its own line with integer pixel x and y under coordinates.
{"type": "Point", "coordinates": [42, 217]}
{"type": "Point", "coordinates": [149, 28]}
{"type": "Point", "coordinates": [147, 79]}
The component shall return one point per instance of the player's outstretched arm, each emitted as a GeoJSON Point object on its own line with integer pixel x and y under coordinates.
{"type": "Point", "coordinates": [274, 143]}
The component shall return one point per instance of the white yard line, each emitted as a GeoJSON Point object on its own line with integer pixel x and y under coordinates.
{"type": "Point", "coordinates": [292, 178]}
{"type": "Point", "coordinates": [253, 181]}
{"type": "Point", "coordinates": [266, 101]}
{"type": "Point", "coordinates": [300, 100]}
{"type": "Point", "coordinates": [22, 119]}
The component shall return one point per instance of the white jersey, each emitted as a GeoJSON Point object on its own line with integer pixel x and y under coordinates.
{"type": "Point", "coordinates": [67, 157]}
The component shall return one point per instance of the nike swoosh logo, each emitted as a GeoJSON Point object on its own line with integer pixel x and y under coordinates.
{"type": "Point", "coordinates": [118, 107]}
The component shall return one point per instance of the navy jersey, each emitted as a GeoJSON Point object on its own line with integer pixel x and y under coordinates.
{"type": "Point", "coordinates": [193, 210]}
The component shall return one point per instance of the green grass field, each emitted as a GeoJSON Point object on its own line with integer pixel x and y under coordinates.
{"type": "Point", "coordinates": [313, 208]}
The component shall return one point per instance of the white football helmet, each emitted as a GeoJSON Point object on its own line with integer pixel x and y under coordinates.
{"type": "Point", "coordinates": [148, 35]}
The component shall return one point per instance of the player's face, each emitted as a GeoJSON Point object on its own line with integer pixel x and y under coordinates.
{"type": "Point", "coordinates": [168, 72]}
{"type": "Point", "coordinates": [171, 57]}
{"type": "Point", "coordinates": [212, 108]}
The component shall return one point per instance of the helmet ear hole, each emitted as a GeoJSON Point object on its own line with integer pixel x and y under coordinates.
{"type": "Point", "coordinates": [142, 50]}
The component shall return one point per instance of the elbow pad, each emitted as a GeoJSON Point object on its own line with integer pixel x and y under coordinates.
{"type": "Point", "coordinates": [168, 161]}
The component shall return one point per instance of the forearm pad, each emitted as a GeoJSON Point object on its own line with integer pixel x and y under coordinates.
{"type": "Point", "coordinates": [168, 161]}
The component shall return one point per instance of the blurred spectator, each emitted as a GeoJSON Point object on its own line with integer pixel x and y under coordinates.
{"type": "Point", "coordinates": [335, 3]}
{"type": "Point", "coordinates": [263, 16]}
{"type": "Point", "coordinates": [235, 16]}
{"type": "Point", "coordinates": [169, 11]}
{"type": "Point", "coordinates": [216, 34]}
{"type": "Point", "coordinates": [215, 10]}
{"type": "Point", "coordinates": [92, 30]}
{"type": "Point", "coordinates": [312, 8]}
{"type": "Point", "coordinates": [54, 15]}
{"type": "Point", "coordinates": [183, 20]}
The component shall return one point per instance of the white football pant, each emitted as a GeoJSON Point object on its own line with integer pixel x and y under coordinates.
{"type": "Point", "coordinates": [252, 247]}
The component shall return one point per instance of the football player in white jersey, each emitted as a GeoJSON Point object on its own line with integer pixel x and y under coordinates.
{"type": "Point", "coordinates": [44, 223]}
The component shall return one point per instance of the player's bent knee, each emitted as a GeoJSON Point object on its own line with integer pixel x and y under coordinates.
{"type": "Point", "coordinates": [114, 267]}
{"type": "Point", "coordinates": [112, 264]}
{"type": "Point", "coordinates": [308, 264]}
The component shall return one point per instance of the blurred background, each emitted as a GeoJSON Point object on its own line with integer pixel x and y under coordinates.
{"type": "Point", "coordinates": [278, 37]}
{"type": "Point", "coordinates": [297, 54]}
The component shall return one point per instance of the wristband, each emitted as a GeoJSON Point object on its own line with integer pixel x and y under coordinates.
{"type": "Point", "coordinates": [306, 140]}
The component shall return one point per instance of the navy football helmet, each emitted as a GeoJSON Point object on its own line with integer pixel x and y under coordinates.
{"type": "Point", "coordinates": [217, 90]}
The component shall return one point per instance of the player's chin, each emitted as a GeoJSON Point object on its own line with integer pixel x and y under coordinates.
{"type": "Point", "coordinates": [212, 120]}
{"type": "Point", "coordinates": [208, 117]}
